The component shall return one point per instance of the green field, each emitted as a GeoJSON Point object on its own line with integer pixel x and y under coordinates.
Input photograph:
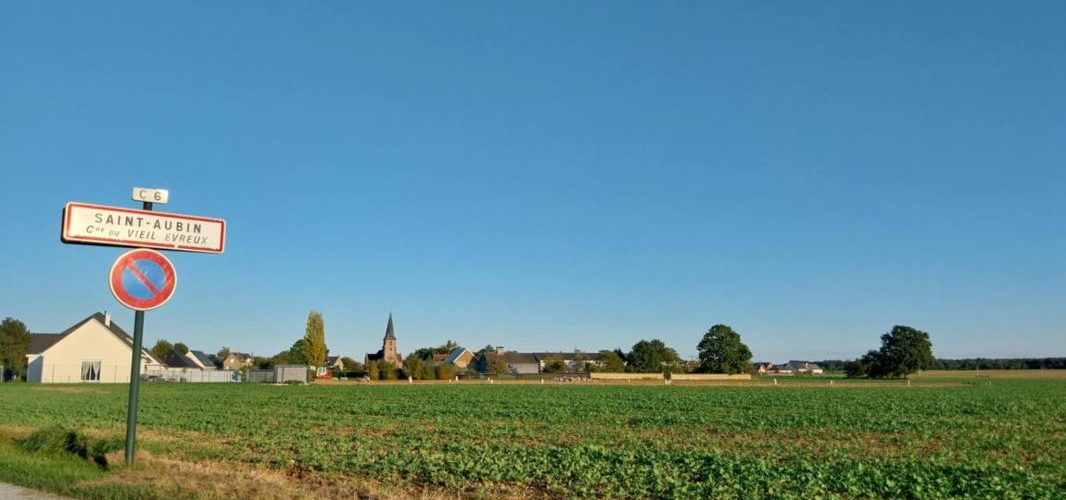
{"type": "Point", "coordinates": [956, 437]}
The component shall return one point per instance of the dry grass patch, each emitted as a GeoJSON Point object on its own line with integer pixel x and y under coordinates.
{"type": "Point", "coordinates": [169, 478]}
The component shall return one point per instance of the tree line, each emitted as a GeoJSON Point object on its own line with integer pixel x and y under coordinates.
{"type": "Point", "coordinates": [972, 364]}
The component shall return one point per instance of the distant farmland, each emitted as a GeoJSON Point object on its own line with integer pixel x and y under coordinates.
{"type": "Point", "coordinates": [965, 434]}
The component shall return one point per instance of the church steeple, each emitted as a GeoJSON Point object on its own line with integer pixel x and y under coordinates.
{"type": "Point", "coordinates": [390, 334]}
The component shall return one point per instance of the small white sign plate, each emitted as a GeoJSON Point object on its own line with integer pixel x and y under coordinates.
{"type": "Point", "coordinates": [126, 227]}
{"type": "Point", "coordinates": [151, 195]}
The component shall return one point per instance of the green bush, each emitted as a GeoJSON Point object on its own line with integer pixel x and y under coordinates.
{"type": "Point", "coordinates": [58, 440]}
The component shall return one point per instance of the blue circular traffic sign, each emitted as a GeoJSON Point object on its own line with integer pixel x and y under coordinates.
{"type": "Point", "coordinates": [142, 279]}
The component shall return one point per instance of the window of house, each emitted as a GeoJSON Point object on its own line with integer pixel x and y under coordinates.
{"type": "Point", "coordinates": [90, 371]}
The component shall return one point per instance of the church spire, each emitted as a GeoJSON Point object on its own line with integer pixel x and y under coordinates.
{"type": "Point", "coordinates": [389, 333]}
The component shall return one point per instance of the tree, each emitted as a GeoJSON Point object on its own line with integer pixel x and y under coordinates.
{"type": "Point", "coordinates": [427, 353]}
{"type": "Point", "coordinates": [653, 356]}
{"type": "Point", "coordinates": [610, 362]}
{"type": "Point", "coordinates": [314, 348]}
{"type": "Point", "coordinates": [721, 351]}
{"type": "Point", "coordinates": [295, 354]}
{"type": "Point", "coordinates": [412, 366]}
{"type": "Point", "coordinates": [221, 356]}
{"type": "Point", "coordinates": [388, 370]}
{"type": "Point", "coordinates": [554, 364]}
{"type": "Point", "coordinates": [372, 370]}
{"type": "Point", "coordinates": [580, 365]}
{"type": "Point", "coordinates": [448, 347]}
{"type": "Point", "coordinates": [161, 348]}
{"type": "Point", "coordinates": [494, 364]}
{"type": "Point", "coordinates": [904, 350]}
{"type": "Point", "coordinates": [445, 371]}
{"type": "Point", "coordinates": [860, 368]}
{"type": "Point", "coordinates": [14, 342]}
{"type": "Point", "coordinates": [429, 371]}
{"type": "Point", "coordinates": [487, 348]}
{"type": "Point", "coordinates": [182, 348]}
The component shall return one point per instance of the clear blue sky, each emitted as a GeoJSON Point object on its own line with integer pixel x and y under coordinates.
{"type": "Point", "coordinates": [547, 176]}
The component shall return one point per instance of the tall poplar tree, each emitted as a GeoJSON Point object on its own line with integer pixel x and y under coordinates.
{"type": "Point", "coordinates": [314, 346]}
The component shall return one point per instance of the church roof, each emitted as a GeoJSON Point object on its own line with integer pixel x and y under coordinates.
{"type": "Point", "coordinates": [390, 333]}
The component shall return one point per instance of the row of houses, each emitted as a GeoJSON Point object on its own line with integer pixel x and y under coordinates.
{"type": "Point", "coordinates": [518, 363]}
{"type": "Point", "coordinates": [96, 349]}
{"type": "Point", "coordinates": [790, 368]}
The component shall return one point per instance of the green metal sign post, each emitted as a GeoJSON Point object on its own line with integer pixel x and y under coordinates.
{"type": "Point", "coordinates": [141, 279]}
{"type": "Point", "coordinates": [135, 380]}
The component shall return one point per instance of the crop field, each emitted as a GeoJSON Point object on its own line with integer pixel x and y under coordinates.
{"type": "Point", "coordinates": [951, 437]}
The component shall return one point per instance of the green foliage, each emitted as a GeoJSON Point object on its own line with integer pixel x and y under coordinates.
{"type": "Point", "coordinates": [554, 364]}
{"type": "Point", "coordinates": [581, 364]}
{"type": "Point", "coordinates": [413, 367]}
{"type": "Point", "coordinates": [388, 370]}
{"type": "Point", "coordinates": [427, 353]}
{"type": "Point", "coordinates": [721, 351]}
{"type": "Point", "coordinates": [14, 341]}
{"type": "Point", "coordinates": [59, 440]}
{"type": "Point", "coordinates": [373, 371]}
{"type": "Point", "coordinates": [491, 363]}
{"type": "Point", "coordinates": [161, 348]}
{"type": "Point", "coordinates": [296, 355]}
{"type": "Point", "coordinates": [428, 371]}
{"type": "Point", "coordinates": [181, 348]}
{"type": "Point", "coordinates": [350, 364]}
{"type": "Point", "coordinates": [610, 362]}
{"type": "Point", "coordinates": [221, 355]}
{"type": "Point", "coordinates": [904, 350]}
{"type": "Point", "coordinates": [314, 346]}
{"type": "Point", "coordinates": [445, 371]}
{"type": "Point", "coordinates": [653, 356]}
{"type": "Point", "coordinates": [860, 368]}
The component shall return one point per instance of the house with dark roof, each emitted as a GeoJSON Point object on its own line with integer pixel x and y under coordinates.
{"type": "Point", "coordinates": [575, 361]}
{"type": "Point", "coordinates": [203, 360]}
{"type": "Point", "coordinates": [94, 349]}
{"type": "Point", "coordinates": [526, 363]}
{"type": "Point", "coordinates": [804, 367]}
{"type": "Point", "coordinates": [461, 357]}
{"type": "Point", "coordinates": [334, 363]}
{"type": "Point", "coordinates": [237, 360]}
{"type": "Point", "coordinates": [175, 359]}
{"type": "Point", "coordinates": [762, 368]}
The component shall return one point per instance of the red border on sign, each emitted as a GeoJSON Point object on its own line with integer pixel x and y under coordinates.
{"type": "Point", "coordinates": [92, 239]}
{"type": "Point", "coordinates": [115, 279]}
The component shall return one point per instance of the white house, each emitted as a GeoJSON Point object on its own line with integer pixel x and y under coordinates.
{"type": "Point", "coordinates": [93, 350]}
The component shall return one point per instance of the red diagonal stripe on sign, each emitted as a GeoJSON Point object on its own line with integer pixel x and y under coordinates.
{"type": "Point", "coordinates": [144, 279]}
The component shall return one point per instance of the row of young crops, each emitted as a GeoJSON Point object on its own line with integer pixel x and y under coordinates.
{"type": "Point", "coordinates": [999, 440]}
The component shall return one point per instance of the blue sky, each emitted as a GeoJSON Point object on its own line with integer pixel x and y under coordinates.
{"type": "Point", "coordinates": [552, 175]}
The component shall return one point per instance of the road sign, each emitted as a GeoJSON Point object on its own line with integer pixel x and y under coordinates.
{"type": "Point", "coordinates": [142, 279]}
{"type": "Point", "coordinates": [149, 195]}
{"type": "Point", "coordinates": [126, 227]}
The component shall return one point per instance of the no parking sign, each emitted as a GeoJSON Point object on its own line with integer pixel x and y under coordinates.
{"type": "Point", "coordinates": [143, 279]}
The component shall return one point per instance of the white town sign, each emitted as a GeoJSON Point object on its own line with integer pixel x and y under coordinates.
{"type": "Point", "coordinates": [125, 227]}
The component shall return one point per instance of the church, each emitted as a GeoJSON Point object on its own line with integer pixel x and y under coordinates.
{"type": "Point", "coordinates": [388, 348]}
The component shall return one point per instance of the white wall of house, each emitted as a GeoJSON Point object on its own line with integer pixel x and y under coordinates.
{"type": "Point", "coordinates": [523, 368]}
{"type": "Point", "coordinates": [65, 361]}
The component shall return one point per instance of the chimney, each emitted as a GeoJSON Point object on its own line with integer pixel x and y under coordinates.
{"type": "Point", "coordinates": [107, 319]}
{"type": "Point", "coordinates": [499, 349]}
